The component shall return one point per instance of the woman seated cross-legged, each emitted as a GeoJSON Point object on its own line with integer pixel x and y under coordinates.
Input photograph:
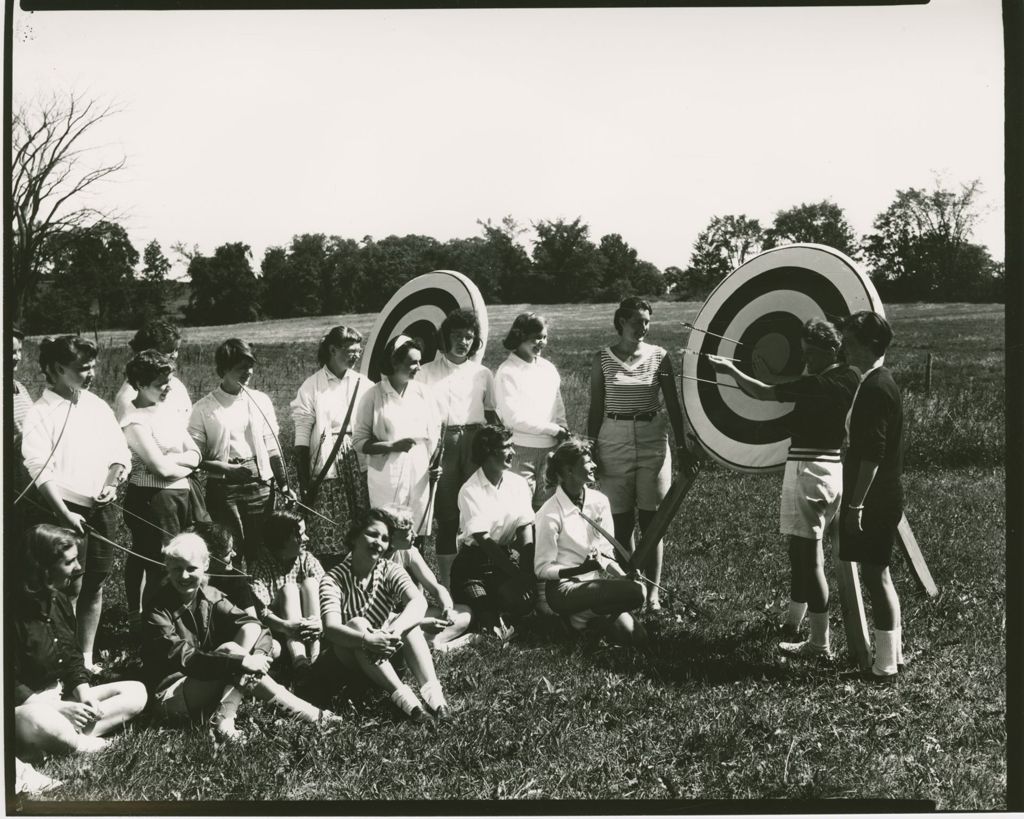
{"type": "Point", "coordinates": [446, 623]}
{"type": "Point", "coordinates": [202, 654]}
{"type": "Point", "coordinates": [56, 710]}
{"type": "Point", "coordinates": [493, 572]}
{"type": "Point", "coordinates": [286, 584]}
{"type": "Point", "coordinates": [371, 610]}
{"type": "Point", "coordinates": [585, 584]}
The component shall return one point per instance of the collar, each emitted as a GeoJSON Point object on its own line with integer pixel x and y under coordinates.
{"type": "Point", "coordinates": [389, 390]}
{"type": "Point", "coordinates": [52, 398]}
{"type": "Point", "coordinates": [878, 365]}
{"type": "Point", "coordinates": [565, 502]}
{"type": "Point", "coordinates": [226, 398]}
{"type": "Point", "coordinates": [332, 377]}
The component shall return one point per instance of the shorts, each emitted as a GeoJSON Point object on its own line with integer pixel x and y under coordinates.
{"type": "Point", "coordinates": [883, 510]}
{"type": "Point", "coordinates": [811, 494]}
{"type": "Point", "coordinates": [634, 465]}
{"type": "Point", "coordinates": [98, 555]}
{"type": "Point", "coordinates": [531, 462]}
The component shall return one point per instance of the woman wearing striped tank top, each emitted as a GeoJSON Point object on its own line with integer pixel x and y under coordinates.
{"type": "Point", "coordinates": [158, 502]}
{"type": "Point", "coordinates": [626, 419]}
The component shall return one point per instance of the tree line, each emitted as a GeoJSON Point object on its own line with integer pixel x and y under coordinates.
{"type": "Point", "coordinates": [75, 267]}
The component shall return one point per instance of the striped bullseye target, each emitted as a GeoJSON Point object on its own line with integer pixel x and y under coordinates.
{"type": "Point", "coordinates": [755, 315]}
{"type": "Point", "coordinates": [417, 310]}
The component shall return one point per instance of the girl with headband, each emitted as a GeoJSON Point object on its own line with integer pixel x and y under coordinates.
{"type": "Point", "coordinates": [397, 429]}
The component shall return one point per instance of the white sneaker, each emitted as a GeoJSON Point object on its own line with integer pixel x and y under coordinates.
{"type": "Point", "coordinates": [30, 781]}
{"type": "Point", "coordinates": [461, 641]}
{"type": "Point", "coordinates": [806, 649]}
{"type": "Point", "coordinates": [226, 731]}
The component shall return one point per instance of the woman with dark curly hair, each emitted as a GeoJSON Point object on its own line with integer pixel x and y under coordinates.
{"type": "Point", "coordinates": [463, 390]}
{"type": "Point", "coordinates": [585, 584]}
{"type": "Point", "coordinates": [318, 411]}
{"type": "Point", "coordinates": [372, 609]}
{"type": "Point", "coordinates": [162, 336]}
{"type": "Point", "coordinates": [158, 502]}
{"type": "Point", "coordinates": [528, 393]}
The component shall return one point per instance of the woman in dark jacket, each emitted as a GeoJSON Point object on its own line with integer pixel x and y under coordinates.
{"type": "Point", "coordinates": [202, 654]}
{"type": "Point", "coordinates": [56, 710]}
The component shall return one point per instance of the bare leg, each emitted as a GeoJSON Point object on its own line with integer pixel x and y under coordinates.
{"type": "Point", "coordinates": [652, 566]}
{"type": "Point", "coordinates": [39, 728]}
{"type": "Point", "coordinates": [885, 604]}
{"type": "Point", "coordinates": [381, 674]}
{"type": "Point", "coordinates": [463, 618]}
{"type": "Point", "coordinates": [90, 606]}
{"type": "Point", "coordinates": [288, 605]}
{"type": "Point", "coordinates": [417, 656]}
{"type": "Point", "coordinates": [626, 631]}
{"type": "Point", "coordinates": [797, 577]}
{"type": "Point", "coordinates": [309, 593]}
{"type": "Point", "coordinates": [120, 701]}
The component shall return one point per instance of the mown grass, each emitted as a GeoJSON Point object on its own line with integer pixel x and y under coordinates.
{"type": "Point", "coordinates": [710, 711]}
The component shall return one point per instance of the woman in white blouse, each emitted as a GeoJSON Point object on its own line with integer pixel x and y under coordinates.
{"type": "Point", "coordinates": [585, 584]}
{"type": "Point", "coordinates": [318, 411]}
{"type": "Point", "coordinates": [158, 502]}
{"type": "Point", "coordinates": [528, 394]}
{"type": "Point", "coordinates": [398, 429]}
{"type": "Point", "coordinates": [236, 431]}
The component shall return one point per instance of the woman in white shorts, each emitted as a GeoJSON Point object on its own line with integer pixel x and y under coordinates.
{"type": "Point", "coordinates": [813, 481]}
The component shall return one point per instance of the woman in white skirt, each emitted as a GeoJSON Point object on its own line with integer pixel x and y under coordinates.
{"type": "Point", "coordinates": [397, 429]}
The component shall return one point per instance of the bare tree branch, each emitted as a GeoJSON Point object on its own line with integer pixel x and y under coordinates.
{"type": "Point", "coordinates": [49, 174]}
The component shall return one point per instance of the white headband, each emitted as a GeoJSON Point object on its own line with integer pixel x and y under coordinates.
{"type": "Point", "coordinates": [399, 340]}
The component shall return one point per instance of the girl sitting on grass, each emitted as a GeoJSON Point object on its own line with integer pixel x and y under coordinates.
{"type": "Point", "coordinates": [446, 622]}
{"type": "Point", "coordinates": [202, 654]}
{"type": "Point", "coordinates": [286, 584]}
{"type": "Point", "coordinates": [371, 610]}
{"type": "Point", "coordinates": [585, 584]}
{"type": "Point", "coordinates": [56, 710]}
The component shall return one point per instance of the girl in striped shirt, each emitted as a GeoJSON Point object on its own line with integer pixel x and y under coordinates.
{"type": "Point", "coordinates": [372, 609]}
{"type": "Point", "coordinates": [626, 419]}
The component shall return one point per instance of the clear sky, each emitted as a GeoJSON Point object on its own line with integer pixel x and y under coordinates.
{"type": "Point", "coordinates": [254, 126]}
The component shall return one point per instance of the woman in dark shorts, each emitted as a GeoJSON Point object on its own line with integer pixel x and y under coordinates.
{"type": "Point", "coordinates": [872, 491]}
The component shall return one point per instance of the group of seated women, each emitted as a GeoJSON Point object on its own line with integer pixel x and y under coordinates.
{"type": "Point", "coordinates": [488, 456]}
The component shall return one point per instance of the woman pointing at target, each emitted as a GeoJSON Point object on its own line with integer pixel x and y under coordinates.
{"type": "Point", "coordinates": [626, 418]}
{"type": "Point", "coordinates": [397, 428]}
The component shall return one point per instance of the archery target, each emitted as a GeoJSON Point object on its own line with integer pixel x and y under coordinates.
{"type": "Point", "coordinates": [755, 315]}
{"type": "Point", "coordinates": [417, 310]}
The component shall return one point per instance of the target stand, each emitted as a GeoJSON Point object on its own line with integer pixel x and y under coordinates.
{"type": "Point", "coordinates": [755, 316]}
{"type": "Point", "coordinates": [417, 310]}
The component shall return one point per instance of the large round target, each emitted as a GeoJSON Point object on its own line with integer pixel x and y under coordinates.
{"type": "Point", "coordinates": [755, 316]}
{"type": "Point", "coordinates": [417, 310]}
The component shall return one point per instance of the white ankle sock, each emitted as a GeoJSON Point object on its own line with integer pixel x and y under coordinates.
{"type": "Point", "coordinates": [899, 644]}
{"type": "Point", "coordinates": [405, 699]}
{"type": "Point", "coordinates": [819, 628]}
{"type": "Point", "coordinates": [432, 694]}
{"type": "Point", "coordinates": [885, 653]}
{"type": "Point", "coordinates": [795, 614]}
{"type": "Point", "coordinates": [88, 744]}
{"type": "Point", "coordinates": [87, 659]}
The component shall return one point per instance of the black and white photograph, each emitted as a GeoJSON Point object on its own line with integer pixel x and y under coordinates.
{"type": "Point", "coordinates": [508, 410]}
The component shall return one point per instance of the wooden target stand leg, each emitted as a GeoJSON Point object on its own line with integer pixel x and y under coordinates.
{"type": "Point", "coordinates": [688, 469]}
{"type": "Point", "coordinates": [912, 552]}
{"type": "Point", "coordinates": [851, 603]}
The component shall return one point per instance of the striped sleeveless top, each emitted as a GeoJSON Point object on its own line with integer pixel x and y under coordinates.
{"type": "Point", "coordinates": [168, 430]}
{"type": "Point", "coordinates": [634, 389]}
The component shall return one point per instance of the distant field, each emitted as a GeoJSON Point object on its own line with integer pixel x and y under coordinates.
{"type": "Point", "coordinates": [711, 711]}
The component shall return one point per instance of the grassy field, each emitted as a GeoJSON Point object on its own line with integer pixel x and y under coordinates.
{"type": "Point", "coordinates": [710, 711]}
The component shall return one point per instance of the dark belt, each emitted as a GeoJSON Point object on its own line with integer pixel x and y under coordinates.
{"type": "Point", "coordinates": [632, 416]}
{"type": "Point", "coordinates": [461, 427]}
